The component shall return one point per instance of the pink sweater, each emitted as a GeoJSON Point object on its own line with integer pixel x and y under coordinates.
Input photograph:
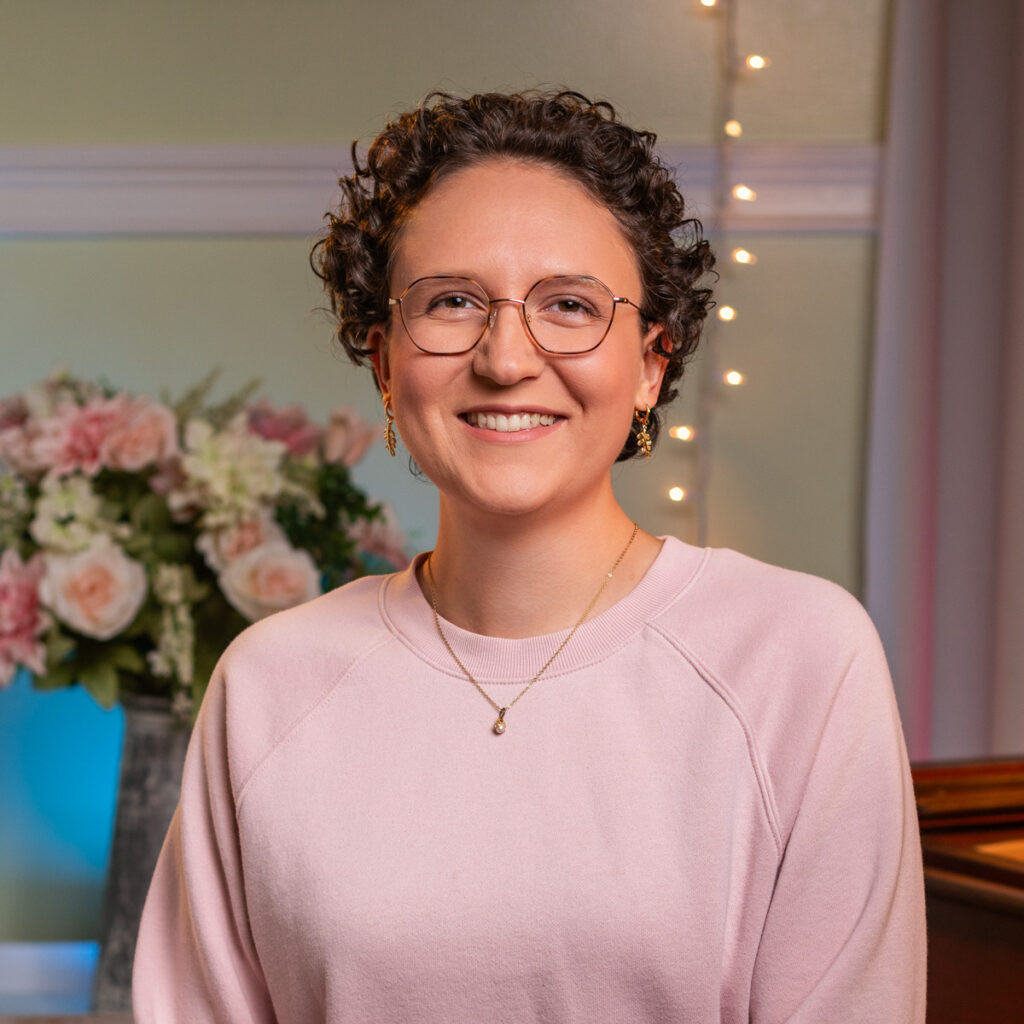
{"type": "Point", "coordinates": [702, 812]}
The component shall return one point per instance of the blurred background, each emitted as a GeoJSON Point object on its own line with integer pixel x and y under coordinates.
{"type": "Point", "coordinates": [164, 168]}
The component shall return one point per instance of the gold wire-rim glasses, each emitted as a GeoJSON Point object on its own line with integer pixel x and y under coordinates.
{"type": "Point", "coordinates": [488, 322]}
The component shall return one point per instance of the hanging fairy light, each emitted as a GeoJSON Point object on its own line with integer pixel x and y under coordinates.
{"type": "Point", "coordinates": [734, 65]}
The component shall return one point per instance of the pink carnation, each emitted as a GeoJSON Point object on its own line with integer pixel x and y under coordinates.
{"type": "Point", "coordinates": [381, 537]}
{"type": "Point", "coordinates": [348, 437]}
{"type": "Point", "coordinates": [73, 438]}
{"type": "Point", "coordinates": [144, 433]}
{"type": "Point", "coordinates": [22, 619]}
{"type": "Point", "coordinates": [291, 426]}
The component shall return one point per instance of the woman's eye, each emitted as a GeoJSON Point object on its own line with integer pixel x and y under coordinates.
{"type": "Point", "coordinates": [454, 302]}
{"type": "Point", "coordinates": [571, 306]}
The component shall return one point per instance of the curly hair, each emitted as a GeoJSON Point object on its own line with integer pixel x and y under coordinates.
{"type": "Point", "coordinates": [584, 139]}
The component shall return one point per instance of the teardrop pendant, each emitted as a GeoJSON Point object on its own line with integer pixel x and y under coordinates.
{"type": "Point", "coordinates": [499, 724]}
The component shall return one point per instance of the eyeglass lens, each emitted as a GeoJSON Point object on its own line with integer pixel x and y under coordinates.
{"type": "Point", "coordinates": [564, 315]}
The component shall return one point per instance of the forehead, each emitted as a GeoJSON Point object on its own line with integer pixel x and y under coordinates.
{"type": "Point", "coordinates": [515, 222]}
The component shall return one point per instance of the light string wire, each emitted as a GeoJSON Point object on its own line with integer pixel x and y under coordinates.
{"type": "Point", "coordinates": [710, 380]}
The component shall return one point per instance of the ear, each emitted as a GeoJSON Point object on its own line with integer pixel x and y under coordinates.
{"type": "Point", "coordinates": [653, 367]}
{"type": "Point", "coordinates": [377, 342]}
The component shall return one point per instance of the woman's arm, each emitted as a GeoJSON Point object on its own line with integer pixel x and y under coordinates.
{"type": "Point", "coordinates": [195, 961]}
{"type": "Point", "coordinates": [844, 939]}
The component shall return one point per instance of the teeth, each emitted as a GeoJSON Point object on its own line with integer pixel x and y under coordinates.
{"type": "Point", "coordinates": [511, 423]}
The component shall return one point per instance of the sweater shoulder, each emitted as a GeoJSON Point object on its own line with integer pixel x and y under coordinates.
{"type": "Point", "coordinates": [278, 670]}
{"type": "Point", "coordinates": [780, 647]}
{"type": "Point", "coordinates": [740, 605]}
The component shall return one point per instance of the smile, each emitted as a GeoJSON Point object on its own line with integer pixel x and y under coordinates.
{"type": "Point", "coordinates": [508, 423]}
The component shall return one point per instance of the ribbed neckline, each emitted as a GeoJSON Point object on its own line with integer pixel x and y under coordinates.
{"type": "Point", "coordinates": [499, 660]}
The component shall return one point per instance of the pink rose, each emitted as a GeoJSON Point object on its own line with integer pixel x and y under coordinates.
{"type": "Point", "coordinates": [269, 579]}
{"type": "Point", "coordinates": [22, 619]}
{"type": "Point", "coordinates": [219, 547]}
{"type": "Point", "coordinates": [290, 426]}
{"type": "Point", "coordinates": [348, 437]}
{"type": "Point", "coordinates": [381, 537]}
{"type": "Point", "coordinates": [145, 433]}
{"type": "Point", "coordinates": [98, 591]}
{"type": "Point", "coordinates": [73, 438]}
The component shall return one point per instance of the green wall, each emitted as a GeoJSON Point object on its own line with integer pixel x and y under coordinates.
{"type": "Point", "coordinates": [155, 313]}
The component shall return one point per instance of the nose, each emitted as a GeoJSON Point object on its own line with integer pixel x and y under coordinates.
{"type": "Point", "coordinates": [506, 353]}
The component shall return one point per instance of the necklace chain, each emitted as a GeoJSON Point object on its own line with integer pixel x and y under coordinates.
{"type": "Point", "coordinates": [499, 725]}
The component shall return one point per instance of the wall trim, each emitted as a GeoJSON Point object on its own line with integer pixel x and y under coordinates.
{"type": "Point", "coordinates": [75, 191]}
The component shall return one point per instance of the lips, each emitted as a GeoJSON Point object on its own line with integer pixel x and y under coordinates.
{"type": "Point", "coordinates": [509, 423]}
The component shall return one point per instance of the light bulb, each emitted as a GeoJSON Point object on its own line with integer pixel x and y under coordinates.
{"type": "Point", "coordinates": [681, 433]}
{"type": "Point", "coordinates": [709, 3]}
{"type": "Point", "coordinates": [748, 195]}
{"type": "Point", "coordinates": [677, 493]}
{"type": "Point", "coordinates": [733, 377]}
{"type": "Point", "coordinates": [743, 256]}
{"type": "Point", "coordinates": [726, 313]}
{"type": "Point", "coordinates": [733, 128]}
{"type": "Point", "coordinates": [756, 62]}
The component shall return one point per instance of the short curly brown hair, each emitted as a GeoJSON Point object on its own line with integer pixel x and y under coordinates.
{"type": "Point", "coordinates": [616, 164]}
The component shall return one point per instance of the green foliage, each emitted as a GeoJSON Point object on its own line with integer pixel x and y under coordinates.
{"type": "Point", "coordinates": [326, 538]}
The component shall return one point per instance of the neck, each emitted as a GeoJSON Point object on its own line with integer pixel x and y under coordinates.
{"type": "Point", "coordinates": [531, 575]}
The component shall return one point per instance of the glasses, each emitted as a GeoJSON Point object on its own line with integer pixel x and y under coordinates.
{"type": "Point", "coordinates": [563, 315]}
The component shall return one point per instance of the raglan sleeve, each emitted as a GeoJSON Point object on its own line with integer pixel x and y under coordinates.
{"type": "Point", "coordinates": [195, 960]}
{"type": "Point", "coordinates": [844, 938]}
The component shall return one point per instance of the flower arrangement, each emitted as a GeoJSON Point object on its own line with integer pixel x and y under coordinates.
{"type": "Point", "coordinates": [137, 538]}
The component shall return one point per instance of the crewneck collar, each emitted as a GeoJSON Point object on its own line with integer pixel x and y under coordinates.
{"type": "Point", "coordinates": [499, 660]}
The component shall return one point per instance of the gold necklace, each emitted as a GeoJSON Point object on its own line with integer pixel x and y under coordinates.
{"type": "Point", "coordinates": [499, 724]}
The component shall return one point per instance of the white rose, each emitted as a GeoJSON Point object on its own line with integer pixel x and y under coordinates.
{"type": "Point", "coordinates": [269, 579]}
{"type": "Point", "coordinates": [97, 591]}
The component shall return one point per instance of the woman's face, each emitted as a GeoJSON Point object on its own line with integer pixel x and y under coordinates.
{"type": "Point", "coordinates": [506, 225]}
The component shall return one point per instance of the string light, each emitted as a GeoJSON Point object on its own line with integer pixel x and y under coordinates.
{"type": "Point", "coordinates": [733, 67]}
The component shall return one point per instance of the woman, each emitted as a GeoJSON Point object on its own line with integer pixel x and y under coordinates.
{"type": "Point", "coordinates": [559, 769]}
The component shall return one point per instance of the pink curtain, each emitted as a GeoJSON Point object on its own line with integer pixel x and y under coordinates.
{"type": "Point", "coordinates": [945, 492]}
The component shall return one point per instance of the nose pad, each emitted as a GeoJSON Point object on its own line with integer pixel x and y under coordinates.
{"type": "Point", "coordinates": [524, 320]}
{"type": "Point", "coordinates": [495, 358]}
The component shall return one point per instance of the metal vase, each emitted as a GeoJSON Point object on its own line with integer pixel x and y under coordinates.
{"type": "Point", "coordinates": [152, 759]}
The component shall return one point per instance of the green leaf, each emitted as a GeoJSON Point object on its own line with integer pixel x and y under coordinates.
{"type": "Point", "coordinates": [58, 677]}
{"type": "Point", "coordinates": [192, 401]}
{"type": "Point", "coordinates": [150, 514]}
{"type": "Point", "coordinates": [101, 681]}
{"type": "Point", "coordinates": [125, 657]}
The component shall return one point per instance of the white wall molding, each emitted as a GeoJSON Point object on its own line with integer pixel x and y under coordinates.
{"type": "Point", "coordinates": [72, 191]}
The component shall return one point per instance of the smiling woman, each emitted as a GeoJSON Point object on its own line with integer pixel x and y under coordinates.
{"type": "Point", "coordinates": [689, 797]}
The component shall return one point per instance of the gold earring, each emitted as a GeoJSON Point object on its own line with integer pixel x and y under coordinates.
{"type": "Point", "coordinates": [389, 430]}
{"type": "Point", "coordinates": [643, 439]}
